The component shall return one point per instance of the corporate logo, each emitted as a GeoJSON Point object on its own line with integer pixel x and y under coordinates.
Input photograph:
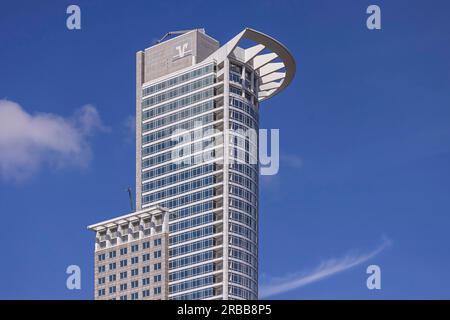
{"type": "Point", "coordinates": [182, 50]}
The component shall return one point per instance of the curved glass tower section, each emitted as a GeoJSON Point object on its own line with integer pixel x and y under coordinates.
{"type": "Point", "coordinates": [197, 118]}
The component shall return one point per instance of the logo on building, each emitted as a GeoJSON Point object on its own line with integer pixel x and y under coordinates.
{"type": "Point", "coordinates": [182, 50]}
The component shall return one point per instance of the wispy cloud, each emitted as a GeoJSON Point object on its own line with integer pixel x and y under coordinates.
{"type": "Point", "coordinates": [29, 141]}
{"type": "Point", "coordinates": [325, 269]}
{"type": "Point", "coordinates": [292, 160]}
{"type": "Point", "coordinates": [130, 128]}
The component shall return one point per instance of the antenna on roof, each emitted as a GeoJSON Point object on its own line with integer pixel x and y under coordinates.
{"type": "Point", "coordinates": [131, 198]}
{"type": "Point", "coordinates": [176, 33]}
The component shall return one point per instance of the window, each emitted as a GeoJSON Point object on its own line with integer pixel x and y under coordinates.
{"type": "Point", "coordinates": [112, 290]}
{"type": "Point", "coordinates": [146, 257]}
{"type": "Point", "coordinates": [112, 266]}
{"type": "Point", "coordinates": [112, 254]}
{"type": "Point", "coordinates": [157, 278]}
{"type": "Point", "coordinates": [134, 260]}
{"type": "Point", "coordinates": [134, 248]}
{"type": "Point", "coordinates": [101, 292]}
{"type": "Point", "coordinates": [123, 287]}
{"type": "Point", "coordinates": [134, 272]}
{"type": "Point", "coordinates": [123, 263]}
{"type": "Point", "coordinates": [146, 293]}
{"type": "Point", "coordinates": [157, 290]}
{"type": "Point", "coordinates": [235, 68]}
{"type": "Point", "coordinates": [145, 281]}
{"type": "Point", "coordinates": [123, 297]}
{"type": "Point", "coordinates": [101, 269]}
{"type": "Point", "coordinates": [146, 245]}
{"type": "Point", "coordinates": [145, 269]}
{"type": "Point", "coordinates": [134, 284]}
{"type": "Point", "coordinates": [123, 275]}
{"type": "Point", "coordinates": [112, 277]}
{"type": "Point", "coordinates": [101, 280]}
{"type": "Point", "coordinates": [123, 251]}
{"type": "Point", "coordinates": [101, 257]}
{"type": "Point", "coordinates": [157, 242]}
{"type": "Point", "coordinates": [157, 266]}
{"type": "Point", "coordinates": [135, 296]}
{"type": "Point", "coordinates": [157, 254]}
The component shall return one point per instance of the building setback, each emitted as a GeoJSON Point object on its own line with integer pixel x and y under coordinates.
{"type": "Point", "coordinates": [193, 97]}
{"type": "Point", "coordinates": [131, 256]}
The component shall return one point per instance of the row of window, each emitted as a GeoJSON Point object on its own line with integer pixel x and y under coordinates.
{"type": "Point", "coordinates": [242, 157]}
{"type": "Point", "coordinates": [244, 106]}
{"type": "Point", "coordinates": [244, 181]}
{"type": "Point", "coordinates": [133, 296]}
{"type": "Point", "coordinates": [243, 281]}
{"type": "Point", "coordinates": [192, 259]}
{"type": "Point", "coordinates": [245, 194]}
{"type": "Point", "coordinates": [243, 231]}
{"type": "Point", "coordinates": [178, 104]}
{"type": "Point", "coordinates": [237, 78]}
{"type": "Point", "coordinates": [243, 256]}
{"type": "Point", "coordinates": [238, 92]}
{"type": "Point", "coordinates": [170, 143]}
{"type": "Point", "coordinates": [191, 235]}
{"type": "Point", "coordinates": [193, 222]}
{"type": "Point", "coordinates": [190, 211]}
{"type": "Point", "coordinates": [243, 218]}
{"type": "Point", "coordinates": [243, 268]}
{"type": "Point", "coordinates": [250, 171]}
{"type": "Point", "coordinates": [192, 247]}
{"type": "Point", "coordinates": [135, 260]}
{"type": "Point", "coordinates": [178, 177]}
{"type": "Point", "coordinates": [189, 198]}
{"type": "Point", "coordinates": [196, 295]}
{"type": "Point", "coordinates": [172, 166]}
{"type": "Point", "coordinates": [179, 189]}
{"type": "Point", "coordinates": [243, 118]}
{"type": "Point", "coordinates": [243, 243]}
{"type": "Point", "coordinates": [145, 281]}
{"type": "Point", "coordinates": [242, 130]}
{"type": "Point", "coordinates": [133, 248]}
{"type": "Point", "coordinates": [178, 79]}
{"type": "Point", "coordinates": [192, 272]}
{"type": "Point", "coordinates": [179, 128]}
{"type": "Point", "coordinates": [177, 154]}
{"type": "Point", "coordinates": [178, 91]}
{"type": "Point", "coordinates": [247, 142]}
{"type": "Point", "coordinates": [242, 293]}
{"type": "Point", "coordinates": [124, 263]}
{"type": "Point", "coordinates": [178, 116]}
{"type": "Point", "coordinates": [192, 284]}
{"type": "Point", "coordinates": [243, 206]}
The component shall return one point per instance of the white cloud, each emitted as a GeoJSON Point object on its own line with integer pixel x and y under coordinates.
{"type": "Point", "coordinates": [325, 269]}
{"type": "Point", "coordinates": [88, 120]}
{"type": "Point", "coordinates": [27, 141]}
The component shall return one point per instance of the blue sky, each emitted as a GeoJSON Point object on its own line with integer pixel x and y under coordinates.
{"type": "Point", "coordinates": [364, 130]}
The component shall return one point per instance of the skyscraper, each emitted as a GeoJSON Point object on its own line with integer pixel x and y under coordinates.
{"type": "Point", "coordinates": [197, 116]}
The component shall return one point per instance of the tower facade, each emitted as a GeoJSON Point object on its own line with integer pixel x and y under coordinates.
{"type": "Point", "coordinates": [197, 119]}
